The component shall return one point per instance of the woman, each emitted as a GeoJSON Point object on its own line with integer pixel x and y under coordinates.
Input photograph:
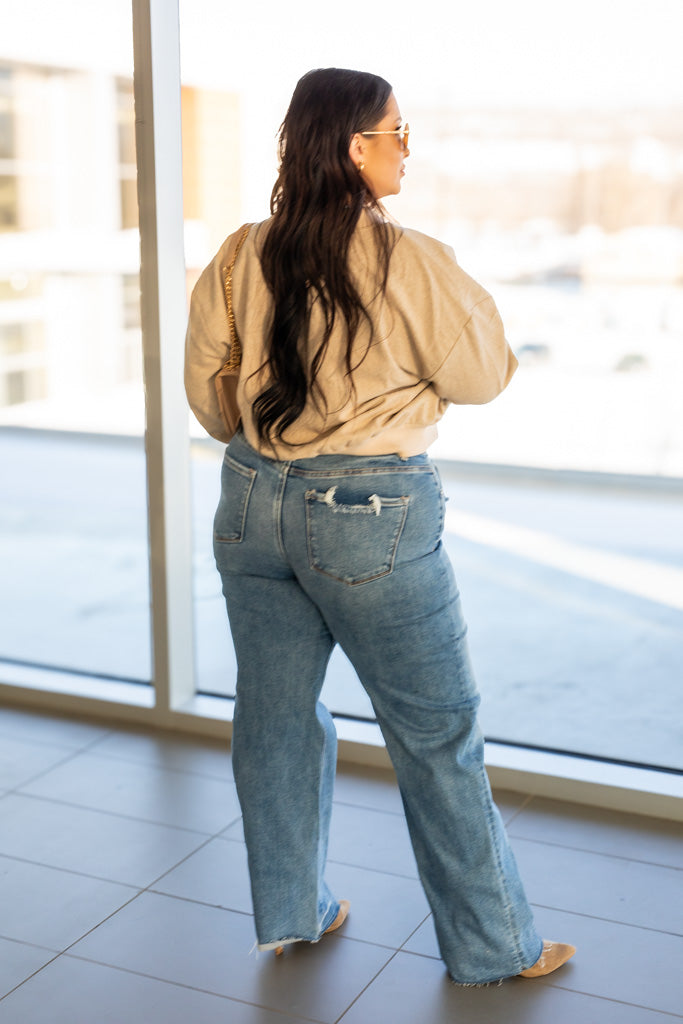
{"type": "Point", "coordinates": [356, 335]}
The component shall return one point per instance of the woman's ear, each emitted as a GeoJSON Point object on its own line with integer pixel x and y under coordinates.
{"type": "Point", "coordinates": [357, 148]}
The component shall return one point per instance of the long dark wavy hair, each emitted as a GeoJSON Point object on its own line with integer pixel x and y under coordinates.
{"type": "Point", "coordinates": [316, 203]}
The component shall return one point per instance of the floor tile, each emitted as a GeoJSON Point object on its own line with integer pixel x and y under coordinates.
{"type": "Point", "coordinates": [385, 909]}
{"type": "Point", "coordinates": [423, 941]}
{"type": "Point", "coordinates": [53, 908]}
{"type": "Point", "coordinates": [594, 884]}
{"type": "Point", "coordinates": [23, 759]}
{"type": "Point", "coordinates": [413, 988]}
{"type": "Point", "coordinates": [509, 803]}
{"type": "Point", "coordinates": [602, 831]}
{"type": "Point", "coordinates": [374, 788]}
{"type": "Point", "coordinates": [90, 842]}
{"type": "Point", "coordinates": [111, 810]}
{"type": "Point", "coordinates": [71, 991]}
{"type": "Point", "coordinates": [234, 832]}
{"type": "Point", "coordinates": [71, 734]}
{"type": "Point", "coordinates": [141, 791]}
{"type": "Point", "coordinates": [168, 751]}
{"type": "Point", "coordinates": [18, 961]}
{"type": "Point", "coordinates": [217, 875]}
{"type": "Point", "coordinates": [207, 948]}
{"type": "Point", "coordinates": [371, 839]}
{"type": "Point", "coordinates": [617, 961]}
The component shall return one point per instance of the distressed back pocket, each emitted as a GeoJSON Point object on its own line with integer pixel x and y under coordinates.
{"type": "Point", "coordinates": [236, 484]}
{"type": "Point", "coordinates": [353, 543]}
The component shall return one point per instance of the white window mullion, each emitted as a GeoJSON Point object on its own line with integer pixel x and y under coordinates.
{"type": "Point", "coordinates": [164, 312]}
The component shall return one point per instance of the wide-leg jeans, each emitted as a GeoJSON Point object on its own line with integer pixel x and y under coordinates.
{"type": "Point", "coordinates": [347, 549]}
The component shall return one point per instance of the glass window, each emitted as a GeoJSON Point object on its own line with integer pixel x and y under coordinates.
{"type": "Point", "coordinates": [6, 114]}
{"type": "Point", "coordinates": [548, 154]}
{"type": "Point", "coordinates": [74, 589]}
{"type": "Point", "coordinates": [8, 202]}
{"type": "Point", "coordinates": [8, 183]}
{"type": "Point", "coordinates": [23, 376]}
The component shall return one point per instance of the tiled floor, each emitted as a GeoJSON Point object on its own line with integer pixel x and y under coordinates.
{"type": "Point", "coordinates": [124, 898]}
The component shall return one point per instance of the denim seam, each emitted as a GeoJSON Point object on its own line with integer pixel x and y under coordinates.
{"type": "Point", "coordinates": [365, 471]}
{"type": "Point", "coordinates": [238, 466]}
{"type": "Point", "coordinates": [279, 501]}
{"type": "Point", "coordinates": [249, 476]}
{"type": "Point", "coordinates": [504, 886]}
{"type": "Point", "coordinates": [442, 500]}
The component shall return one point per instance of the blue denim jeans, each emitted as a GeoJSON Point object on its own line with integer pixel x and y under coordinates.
{"type": "Point", "coordinates": [347, 549]}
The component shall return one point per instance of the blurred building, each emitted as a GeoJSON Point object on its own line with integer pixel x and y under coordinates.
{"type": "Point", "coordinates": [69, 244]}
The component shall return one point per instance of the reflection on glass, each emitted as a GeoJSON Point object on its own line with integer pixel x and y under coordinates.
{"type": "Point", "coordinates": [553, 169]}
{"type": "Point", "coordinates": [75, 591]}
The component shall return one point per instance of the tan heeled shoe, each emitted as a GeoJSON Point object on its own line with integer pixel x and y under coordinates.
{"type": "Point", "coordinates": [344, 907]}
{"type": "Point", "coordinates": [553, 956]}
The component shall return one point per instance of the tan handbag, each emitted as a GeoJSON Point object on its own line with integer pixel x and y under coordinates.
{"type": "Point", "coordinates": [227, 377]}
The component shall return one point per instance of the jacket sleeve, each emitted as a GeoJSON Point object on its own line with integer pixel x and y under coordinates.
{"type": "Point", "coordinates": [458, 340]}
{"type": "Point", "coordinates": [207, 346]}
{"type": "Point", "coordinates": [481, 363]}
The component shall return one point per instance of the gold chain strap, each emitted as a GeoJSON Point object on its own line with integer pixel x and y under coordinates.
{"type": "Point", "coordinates": [235, 357]}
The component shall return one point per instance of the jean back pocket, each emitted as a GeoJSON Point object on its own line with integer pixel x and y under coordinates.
{"type": "Point", "coordinates": [354, 543]}
{"type": "Point", "coordinates": [231, 514]}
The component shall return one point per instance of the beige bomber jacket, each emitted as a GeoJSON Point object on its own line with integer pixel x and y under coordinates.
{"type": "Point", "coordinates": [438, 338]}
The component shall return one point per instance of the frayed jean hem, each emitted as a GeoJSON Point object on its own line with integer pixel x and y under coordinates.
{"type": "Point", "coordinates": [477, 984]}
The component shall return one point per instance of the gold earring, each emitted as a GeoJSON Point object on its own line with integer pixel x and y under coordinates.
{"type": "Point", "coordinates": [361, 167]}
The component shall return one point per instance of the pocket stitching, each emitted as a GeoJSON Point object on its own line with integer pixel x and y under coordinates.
{"type": "Point", "coordinates": [312, 498]}
{"type": "Point", "coordinates": [249, 475]}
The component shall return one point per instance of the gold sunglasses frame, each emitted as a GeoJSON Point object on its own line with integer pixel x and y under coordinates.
{"type": "Point", "coordinates": [403, 132]}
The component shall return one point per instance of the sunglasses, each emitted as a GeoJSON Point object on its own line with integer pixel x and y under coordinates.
{"type": "Point", "coordinates": [402, 133]}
